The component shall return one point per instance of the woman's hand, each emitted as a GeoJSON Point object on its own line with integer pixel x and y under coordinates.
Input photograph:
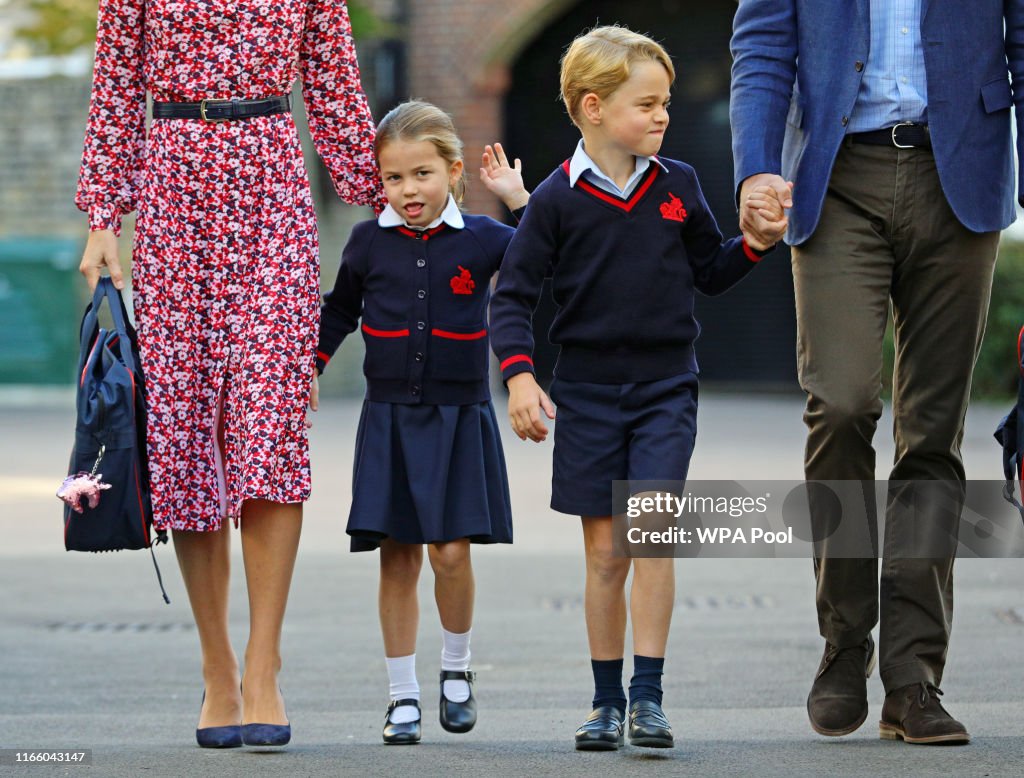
{"type": "Point", "coordinates": [314, 397]}
{"type": "Point", "coordinates": [502, 179]}
{"type": "Point", "coordinates": [525, 401]}
{"type": "Point", "coordinates": [101, 252]}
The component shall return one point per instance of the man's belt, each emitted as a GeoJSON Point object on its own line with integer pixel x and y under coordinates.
{"type": "Point", "coordinates": [906, 135]}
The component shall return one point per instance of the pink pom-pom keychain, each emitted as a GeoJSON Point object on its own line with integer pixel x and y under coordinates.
{"type": "Point", "coordinates": [84, 486]}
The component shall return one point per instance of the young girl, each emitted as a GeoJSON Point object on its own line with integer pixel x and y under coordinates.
{"type": "Point", "coordinates": [429, 467]}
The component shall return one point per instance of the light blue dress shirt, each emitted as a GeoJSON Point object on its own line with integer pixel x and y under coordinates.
{"type": "Point", "coordinates": [582, 165]}
{"type": "Point", "coordinates": [894, 88]}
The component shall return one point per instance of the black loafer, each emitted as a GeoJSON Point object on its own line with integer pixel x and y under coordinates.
{"type": "Point", "coordinates": [602, 731]}
{"type": "Point", "coordinates": [648, 727]}
{"type": "Point", "coordinates": [458, 717]}
{"type": "Point", "coordinates": [405, 734]}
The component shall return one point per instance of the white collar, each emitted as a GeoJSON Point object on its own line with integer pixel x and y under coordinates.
{"type": "Point", "coordinates": [451, 215]}
{"type": "Point", "coordinates": [581, 163]}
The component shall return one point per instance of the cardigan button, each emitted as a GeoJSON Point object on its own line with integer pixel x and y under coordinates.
{"type": "Point", "coordinates": [419, 357]}
{"type": "Point", "coordinates": [421, 325]}
{"type": "Point", "coordinates": [421, 263]}
{"type": "Point", "coordinates": [415, 390]}
{"type": "Point", "coordinates": [421, 294]}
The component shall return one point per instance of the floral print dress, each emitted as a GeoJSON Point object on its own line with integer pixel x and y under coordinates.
{"type": "Point", "coordinates": [225, 261]}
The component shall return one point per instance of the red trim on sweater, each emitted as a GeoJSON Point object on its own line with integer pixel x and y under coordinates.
{"type": "Point", "coordinates": [608, 197]}
{"type": "Point", "coordinates": [752, 255]}
{"type": "Point", "coordinates": [422, 234]}
{"type": "Point", "coordinates": [515, 359]}
{"type": "Point", "coordinates": [459, 335]}
{"type": "Point", "coordinates": [322, 356]}
{"type": "Point", "coordinates": [385, 333]}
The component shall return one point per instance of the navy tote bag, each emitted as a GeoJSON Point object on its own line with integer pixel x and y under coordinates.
{"type": "Point", "coordinates": [110, 436]}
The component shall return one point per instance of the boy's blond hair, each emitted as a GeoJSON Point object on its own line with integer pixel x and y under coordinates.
{"type": "Point", "coordinates": [416, 121]}
{"type": "Point", "coordinates": [599, 61]}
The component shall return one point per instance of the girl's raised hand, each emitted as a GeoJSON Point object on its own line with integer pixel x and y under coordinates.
{"type": "Point", "coordinates": [502, 179]}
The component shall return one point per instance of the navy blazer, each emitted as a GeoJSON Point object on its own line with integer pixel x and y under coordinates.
{"type": "Point", "coordinates": [797, 66]}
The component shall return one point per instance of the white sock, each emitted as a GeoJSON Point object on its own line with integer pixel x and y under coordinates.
{"type": "Point", "coordinates": [455, 656]}
{"type": "Point", "coordinates": [403, 686]}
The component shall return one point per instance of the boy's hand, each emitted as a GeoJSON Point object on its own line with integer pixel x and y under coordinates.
{"type": "Point", "coordinates": [762, 215]}
{"type": "Point", "coordinates": [525, 400]}
{"type": "Point", "coordinates": [314, 397]}
{"type": "Point", "coordinates": [502, 179]}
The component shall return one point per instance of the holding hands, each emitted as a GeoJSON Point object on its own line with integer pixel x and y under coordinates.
{"type": "Point", "coordinates": [763, 199]}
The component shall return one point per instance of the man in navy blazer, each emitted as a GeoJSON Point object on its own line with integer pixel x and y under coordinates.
{"type": "Point", "coordinates": [891, 118]}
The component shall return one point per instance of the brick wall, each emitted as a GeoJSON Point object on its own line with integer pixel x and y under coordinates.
{"type": "Point", "coordinates": [459, 52]}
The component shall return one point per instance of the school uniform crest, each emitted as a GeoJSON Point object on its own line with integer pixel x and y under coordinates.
{"type": "Point", "coordinates": [673, 209]}
{"type": "Point", "coordinates": [463, 283]}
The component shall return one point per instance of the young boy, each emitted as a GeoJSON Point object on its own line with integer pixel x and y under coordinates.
{"type": "Point", "coordinates": [627, 237]}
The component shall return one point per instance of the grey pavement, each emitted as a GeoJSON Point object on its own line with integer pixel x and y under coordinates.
{"type": "Point", "coordinates": [90, 657]}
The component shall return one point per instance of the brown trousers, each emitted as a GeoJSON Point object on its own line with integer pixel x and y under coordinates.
{"type": "Point", "coordinates": [888, 236]}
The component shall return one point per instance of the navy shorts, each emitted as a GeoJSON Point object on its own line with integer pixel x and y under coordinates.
{"type": "Point", "coordinates": [617, 432]}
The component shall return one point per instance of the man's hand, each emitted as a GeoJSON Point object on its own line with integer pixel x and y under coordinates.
{"type": "Point", "coordinates": [760, 230]}
{"type": "Point", "coordinates": [762, 208]}
{"type": "Point", "coordinates": [101, 252]}
{"type": "Point", "coordinates": [525, 401]}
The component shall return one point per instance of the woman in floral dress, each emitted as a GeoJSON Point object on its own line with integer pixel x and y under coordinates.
{"type": "Point", "coordinates": [226, 287]}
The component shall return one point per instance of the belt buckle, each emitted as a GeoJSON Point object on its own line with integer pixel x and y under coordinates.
{"type": "Point", "coordinates": [896, 143]}
{"type": "Point", "coordinates": [202, 111]}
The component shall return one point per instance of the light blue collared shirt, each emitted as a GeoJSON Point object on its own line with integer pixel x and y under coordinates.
{"type": "Point", "coordinates": [451, 215]}
{"type": "Point", "coordinates": [582, 165]}
{"type": "Point", "coordinates": [894, 88]}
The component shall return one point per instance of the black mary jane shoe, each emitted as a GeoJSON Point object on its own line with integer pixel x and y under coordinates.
{"type": "Point", "coordinates": [602, 731]}
{"type": "Point", "coordinates": [405, 734]}
{"type": "Point", "coordinates": [458, 717]}
{"type": "Point", "coordinates": [648, 727]}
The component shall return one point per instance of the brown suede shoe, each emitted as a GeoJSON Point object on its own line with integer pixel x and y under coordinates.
{"type": "Point", "coordinates": [838, 702]}
{"type": "Point", "coordinates": [914, 714]}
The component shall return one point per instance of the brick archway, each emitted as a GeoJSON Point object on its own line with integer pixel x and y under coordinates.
{"type": "Point", "coordinates": [463, 66]}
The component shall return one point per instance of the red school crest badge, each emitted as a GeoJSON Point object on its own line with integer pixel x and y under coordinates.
{"type": "Point", "coordinates": [463, 283]}
{"type": "Point", "coordinates": [673, 209]}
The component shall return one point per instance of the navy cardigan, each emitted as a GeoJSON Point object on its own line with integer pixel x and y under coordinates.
{"type": "Point", "coordinates": [422, 298]}
{"type": "Point", "coordinates": [623, 270]}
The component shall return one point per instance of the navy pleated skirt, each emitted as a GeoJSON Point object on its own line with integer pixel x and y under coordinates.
{"type": "Point", "coordinates": [428, 474]}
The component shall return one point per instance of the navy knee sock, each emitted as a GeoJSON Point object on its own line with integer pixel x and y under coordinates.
{"type": "Point", "coordinates": [608, 683]}
{"type": "Point", "coordinates": [646, 681]}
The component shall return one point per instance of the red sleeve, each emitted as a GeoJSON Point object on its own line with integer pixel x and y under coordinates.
{"type": "Point", "coordinates": [338, 112]}
{"type": "Point", "coordinates": [115, 135]}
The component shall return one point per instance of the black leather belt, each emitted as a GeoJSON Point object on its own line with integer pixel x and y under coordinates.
{"type": "Point", "coordinates": [902, 136]}
{"type": "Point", "coordinates": [223, 110]}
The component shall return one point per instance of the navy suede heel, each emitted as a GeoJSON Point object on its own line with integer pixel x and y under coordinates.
{"type": "Point", "coordinates": [218, 737]}
{"type": "Point", "coordinates": [266, 734]}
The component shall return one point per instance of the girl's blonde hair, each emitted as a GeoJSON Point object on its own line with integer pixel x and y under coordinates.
{"type": "Point", "coordinates": [599, 61]}
{"type": "Point", "coordinates": [416, 121]}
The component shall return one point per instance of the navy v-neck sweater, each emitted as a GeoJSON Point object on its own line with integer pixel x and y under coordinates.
{"type": "Point", "coordinates": [623, 275]}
